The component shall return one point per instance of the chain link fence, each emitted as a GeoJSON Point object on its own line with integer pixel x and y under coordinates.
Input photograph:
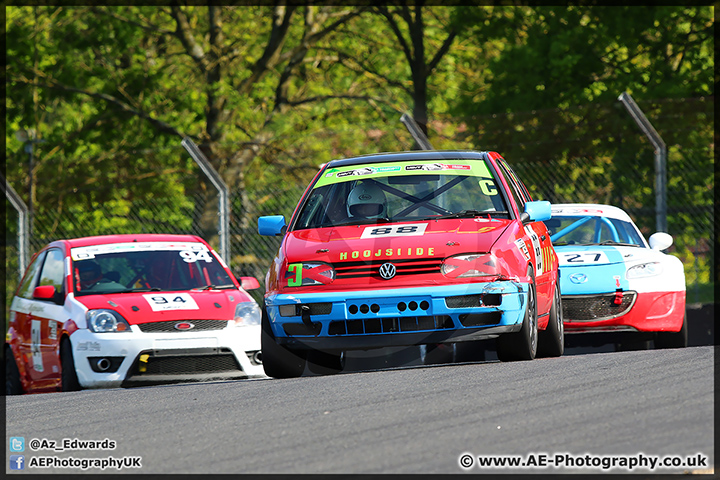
{"type": "Point", "coordinates": [558, 155]}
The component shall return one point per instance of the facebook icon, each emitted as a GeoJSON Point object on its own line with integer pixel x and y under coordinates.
{"type": "Point", "coordinates": [17, 462]}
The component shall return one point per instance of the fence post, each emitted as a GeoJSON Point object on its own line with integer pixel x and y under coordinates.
{"type": "Point", "coordinates": [660, 159]}
{"type": "Point", "coordinates": [23, 224]}
{"type": "Point", "coordinates": [416, 131]}
{"type": "Point", "coordinates": [217, 181]}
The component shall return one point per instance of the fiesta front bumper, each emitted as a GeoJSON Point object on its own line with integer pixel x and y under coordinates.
{"type": "Point", "coordinates": [397, 317]}
{"type": "Point", "coordinates": [139, 358]}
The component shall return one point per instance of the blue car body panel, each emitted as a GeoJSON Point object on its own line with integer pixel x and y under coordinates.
{"type": "Point", "coordinates": [511, 309]}
{"type": "Point", "coordinates": [582, 273]}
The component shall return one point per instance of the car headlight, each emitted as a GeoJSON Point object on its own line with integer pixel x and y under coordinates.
{"type": "Point", "coordinates": [104, 321]}
{"type": "Point", "coordinates": [470, 265]}
{"type": "Point", "coordinates": [309, 273]}
{"type": "Point", "coordinates": [247, 313]}
{"type": "Point", "coordinates": [644, 270]}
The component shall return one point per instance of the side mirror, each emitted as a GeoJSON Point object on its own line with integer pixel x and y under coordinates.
{"type": "Point", "coordinates": [660, 240]}
{"type": "Point", "coordinates": [44, 292]}
{"type": "Point", "coordinates": [536, 212]}
{"type": "Point", "coordinates": [249, 283]}
{"type": "Point", "coordinates": [272, 225]}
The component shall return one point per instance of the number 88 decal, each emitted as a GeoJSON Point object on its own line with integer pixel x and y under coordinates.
{"type": "Point", "coordinates": [395, 231]}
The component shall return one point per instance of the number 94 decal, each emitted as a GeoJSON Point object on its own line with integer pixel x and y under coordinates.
{"type": "Point", "coordinates": [160, 302]}
{"type": "Point", "coordinates": [191, 257]}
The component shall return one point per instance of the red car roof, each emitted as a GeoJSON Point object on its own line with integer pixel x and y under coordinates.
{"type": "Point", "coordinates": [141, 237]}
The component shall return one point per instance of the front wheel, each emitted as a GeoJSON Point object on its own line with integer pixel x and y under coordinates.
{"type": "Point", "coordinates": [522, 345]}
{"type": "Point", "coordinates": [551, 341]}
{"type": "Point", "coordinates": [13, 385]}
{"type": "Point", "coordinates": [278, 360]}
{"type": "Point", "coordinates": [68, 374]}
{"type": "Point", "coordinates": [673, 339]}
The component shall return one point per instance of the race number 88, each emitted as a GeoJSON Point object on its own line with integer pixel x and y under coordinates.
{"type": "Point", "coordinates": [396, 230]}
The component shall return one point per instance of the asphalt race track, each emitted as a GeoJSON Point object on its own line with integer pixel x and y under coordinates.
{"type": "Point", "coordinates": [398, 420]}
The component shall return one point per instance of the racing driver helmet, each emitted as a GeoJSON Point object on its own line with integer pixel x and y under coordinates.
{"type": "Point", "coordinates": [367, 200]}
{"type": "Point", "coordinates": [88, 273]}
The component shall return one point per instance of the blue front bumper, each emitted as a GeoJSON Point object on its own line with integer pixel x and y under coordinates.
{"type": "Point", "coordinates": [396, 317]}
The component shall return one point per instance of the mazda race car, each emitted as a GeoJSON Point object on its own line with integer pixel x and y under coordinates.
{"type": "Point", "coordinates": [123, 310]}
{"type": "Point", "coordinates": [614, 283]}
{"type": "Point", "coordinates": [412, 248]}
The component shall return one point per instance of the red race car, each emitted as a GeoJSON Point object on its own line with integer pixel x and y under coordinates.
{"type": "Point", "coordinates": [123, 310]}
{"type": "Point", "coordinates": [411, 248]}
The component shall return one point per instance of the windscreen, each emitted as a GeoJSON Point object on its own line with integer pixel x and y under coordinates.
{"type": "Point", "coordinates": [592, 230]}
{"type": "Point", "coordinates": [146, 266]}
{"type": "Point", "coordinates": [402, 191]}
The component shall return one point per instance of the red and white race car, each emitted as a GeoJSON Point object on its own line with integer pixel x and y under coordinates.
{"type": "Point", "coordinates": [616, 285]}
{"type": "Point", "coordinates": [123, 310]}
{"type": "Point", "coordinates": [412, 248]}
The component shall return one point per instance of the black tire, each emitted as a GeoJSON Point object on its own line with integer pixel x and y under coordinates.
{"type": "Point", "coordinates": [13, 385]}
{"type": "Point", "coordinates": [439, 353]}
{"type": "Point", "coordinates": [68, 374]}
{"type": "Point", "coordinates": [551, 341]}
{"type": "Point", "coordinates": [325, 363]}
{"type": "Point", "coordinates": [278, 360]}
{"type": "Point", "coordinates": [673, 339]}
{"type": "Point", "coordinates": [522, 345]}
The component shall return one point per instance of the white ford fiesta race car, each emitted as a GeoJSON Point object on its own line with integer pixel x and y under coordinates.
{"type": "Point", "coordinates": [125, 310]}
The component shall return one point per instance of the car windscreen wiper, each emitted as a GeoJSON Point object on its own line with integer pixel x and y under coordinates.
{"type": "Point", "coordinates": [468, 214]}
{"type": "Point", "coordinates": [141, 289]}
{"type": "Point", "coordinates": [356, 221]}
{"type": "Point", "coordinates": [590, 244]}
{"type": "Point", "coordinates": [216, 287]}
{"type": "Point", "coordinates": [622, 244]}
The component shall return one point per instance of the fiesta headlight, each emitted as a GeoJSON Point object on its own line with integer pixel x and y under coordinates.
{"type": "Point", "coordinates": [309, 273]}
{"type": "Point", "coordinates": [644, 270]}
{"type": "Point", "coordinates": [247, 313]}
{"type": "Point", "coordinates": [470, 265]}
{"type": "Point", "coordinates": [104, 321]}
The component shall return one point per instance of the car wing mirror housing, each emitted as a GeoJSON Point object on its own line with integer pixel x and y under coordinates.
{"type": "Point", "coordinates": [272, 225]}
{"type": "Point", "coordinates": [536, 212]}
{"type": "Point", "coordinates": [44, 292]}
{"type": "Point", "coordinates": [660, 240]}
{"type": "Point", "coordinates": [248, 283]}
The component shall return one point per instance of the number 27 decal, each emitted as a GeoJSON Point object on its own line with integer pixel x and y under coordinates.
{"type": "Point", "coordinates": [583, 257]}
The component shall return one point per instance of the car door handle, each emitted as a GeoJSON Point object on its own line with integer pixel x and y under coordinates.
{"type": "Point", "coordinates": [543, 238]}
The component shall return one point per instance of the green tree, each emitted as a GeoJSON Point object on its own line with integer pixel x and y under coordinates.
{"type": "Point", "coordinates": [547, 100]}
{"type": "Point", "coordinates": [114, 89]}
{"type": "Point", "coordinates": [412, 33]}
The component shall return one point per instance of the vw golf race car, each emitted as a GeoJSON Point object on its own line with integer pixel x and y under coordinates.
{"type": "Point", "coordinates": [122, 310]}
{"type": "Point", "coordinates": [615, 284]}
{"type": "Point", "coordinates": [410, 248]}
